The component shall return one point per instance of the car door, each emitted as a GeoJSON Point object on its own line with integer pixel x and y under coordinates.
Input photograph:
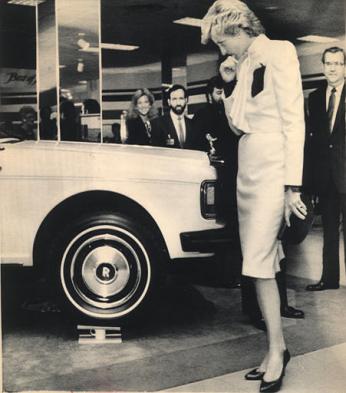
{"type": "Point", "coordinates": [18, 200]}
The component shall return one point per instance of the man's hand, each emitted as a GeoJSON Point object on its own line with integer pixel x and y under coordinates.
{"type": "Point", "coordinates": [228, 69]}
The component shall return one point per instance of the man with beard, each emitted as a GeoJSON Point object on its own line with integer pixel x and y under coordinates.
{"type": "Point", "coordinates": [211, 119]}
{"type": "Point", "coordinates": [210, 122]}
{"type": "Point", "coordinates": [173, 129]}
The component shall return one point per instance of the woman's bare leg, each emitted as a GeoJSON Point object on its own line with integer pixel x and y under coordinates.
{"type": "Point", "coordinates": [269, 302]}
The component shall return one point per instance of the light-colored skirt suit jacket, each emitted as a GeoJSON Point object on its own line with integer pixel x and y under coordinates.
{"type": "Point", "coordinates": [268, 106]}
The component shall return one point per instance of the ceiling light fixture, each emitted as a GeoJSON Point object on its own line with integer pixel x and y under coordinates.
{"type": "Point", "coordinates": [83, 44]}
{"type": "Point", "coordinates": [318, 39]}
{"type": "Point", "coordinates": [80, 65]}
{"type": "Point", "coordinates": [90, 49]}
{"type": "Point", "coordinates": [66, 93]}
{"type": "Point", "coordinates": [271, 8]}
{"type": "Point", "coordinates": [195, 22]}
{"type": "Point", "coordinates": [31, 3]}
{"type": "Point", "coordinates": [83, 82]}
{"type": "Point", "coordinates": [119, 47]}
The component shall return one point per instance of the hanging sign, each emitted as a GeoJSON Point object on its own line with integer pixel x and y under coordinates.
{"type": "Point", "coordinates": [18, 79]}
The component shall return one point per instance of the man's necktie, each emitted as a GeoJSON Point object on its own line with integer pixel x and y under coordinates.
{"type": "Point", "coordinates": [330, 111]}
{"type": "Point", "coordinates": [148, 128]}
{"type": "Point", "coordinates": [181, 135]}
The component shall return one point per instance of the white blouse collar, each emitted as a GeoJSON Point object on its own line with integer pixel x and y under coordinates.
{"type": "Point", "coordinates": [258, 48]}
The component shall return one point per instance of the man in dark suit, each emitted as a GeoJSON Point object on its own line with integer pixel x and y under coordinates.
{"type": "Point", "coordinates": [173, 129]}
{"type": "Point", "coordinates": [326, 176]}
{"type": "Point", "coordinates": [210, 121]}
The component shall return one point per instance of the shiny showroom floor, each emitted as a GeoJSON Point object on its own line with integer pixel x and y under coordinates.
{"type": "Point", "coordinates": [198, 340]}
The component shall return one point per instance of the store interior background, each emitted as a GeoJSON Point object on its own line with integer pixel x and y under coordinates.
{"type": "Point", "coordinates": [105, 50]}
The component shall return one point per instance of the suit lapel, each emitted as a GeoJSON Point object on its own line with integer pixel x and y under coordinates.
{"type": "Point", "coordinates": [323, 109]}
{"type": "Point", "coordinates": [172, 132]}
{"type": "Point", "coordinates": [188, 133]}
{"type": "Point", "coordinates": [323, 101]}
{"type": "Point", "coordinates": [340, 111]}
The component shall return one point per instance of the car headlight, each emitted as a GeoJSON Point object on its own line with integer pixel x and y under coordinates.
{"type": "Point", "coordinates": [208, 208]}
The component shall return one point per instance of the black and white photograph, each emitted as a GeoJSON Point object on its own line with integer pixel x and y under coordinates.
{"type": "Point", "coordinates": [172, 196]}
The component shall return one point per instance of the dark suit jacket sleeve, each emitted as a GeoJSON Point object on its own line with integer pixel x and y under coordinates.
{"type": "Point", "coordinates": [326, 151]}
{"type": "Point", "coordinates": [198, 140]}
{"type": "Point", "coordinates": [131, 132]}
{"type": "Point", "coordinates": [308, 157]}
{"type": "Point", "coordinates": [314, 122]}
{"type": "Point", "coordinates": [157, 133]}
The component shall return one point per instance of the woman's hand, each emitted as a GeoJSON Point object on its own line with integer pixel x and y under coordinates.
{"type": "Point", "coordinates": [228, 69]}
{"type": "Point", "coordinates": [293, 204]}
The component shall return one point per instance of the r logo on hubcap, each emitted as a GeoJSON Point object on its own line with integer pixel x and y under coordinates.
{"type": "Point", "coordinates": [106, 272]}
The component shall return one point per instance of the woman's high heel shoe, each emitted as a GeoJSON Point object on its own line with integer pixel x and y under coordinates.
{"type": "Point", "coordinates": [254, 375]}
{"type": "Point", "coordinates": [274, 386]}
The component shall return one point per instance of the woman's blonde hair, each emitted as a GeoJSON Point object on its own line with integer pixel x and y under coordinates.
{"type": "Point", "coordinates": [228, 17]}
{"type": "Point", "coordinates": [133, 113]}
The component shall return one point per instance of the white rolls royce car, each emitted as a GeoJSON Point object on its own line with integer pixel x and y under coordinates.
{"type": "Point", "coordinates": [103, 220]}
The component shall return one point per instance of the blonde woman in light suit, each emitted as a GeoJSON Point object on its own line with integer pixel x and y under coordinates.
{"type": "Point", "coordinates": [266, 108]}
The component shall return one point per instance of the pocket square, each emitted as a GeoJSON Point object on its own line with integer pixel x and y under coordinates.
{"type": "Point", "coordinates": [258, 81]}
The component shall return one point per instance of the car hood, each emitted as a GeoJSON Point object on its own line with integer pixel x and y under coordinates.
{"type": "Point", "coordinates": [83, 159]}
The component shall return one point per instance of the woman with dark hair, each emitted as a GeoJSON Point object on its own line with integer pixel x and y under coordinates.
{"type": "Point", "coordinates": [140, 114]}
{"type": "Point", "coordinates": [266, 109]}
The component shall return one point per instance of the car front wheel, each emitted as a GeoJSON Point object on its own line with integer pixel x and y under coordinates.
{"type": "Point", "coordinates": [107, 266]}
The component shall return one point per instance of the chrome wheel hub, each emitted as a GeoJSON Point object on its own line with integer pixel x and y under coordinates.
{"type": "Point", "coordinates": [105, 271]}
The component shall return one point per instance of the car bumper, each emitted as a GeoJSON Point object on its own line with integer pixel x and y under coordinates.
{"type": "Point", "coordinates": [209, 240]}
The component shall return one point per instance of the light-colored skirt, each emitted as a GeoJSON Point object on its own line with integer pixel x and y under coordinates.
{"type": "Point", "coordinates": [260, 197]}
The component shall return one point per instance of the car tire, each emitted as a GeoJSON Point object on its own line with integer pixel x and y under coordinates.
{"type": "Point", "coordinates": [107, 266]}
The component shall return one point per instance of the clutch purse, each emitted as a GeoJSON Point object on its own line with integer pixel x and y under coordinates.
{"type": "Point", "coordinates": [299, 229]}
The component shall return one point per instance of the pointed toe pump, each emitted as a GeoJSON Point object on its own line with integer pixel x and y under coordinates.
{"type": "Point", "coordinates": [254, 375]}
{"type": "Point", "coordinates": [275, 386]}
